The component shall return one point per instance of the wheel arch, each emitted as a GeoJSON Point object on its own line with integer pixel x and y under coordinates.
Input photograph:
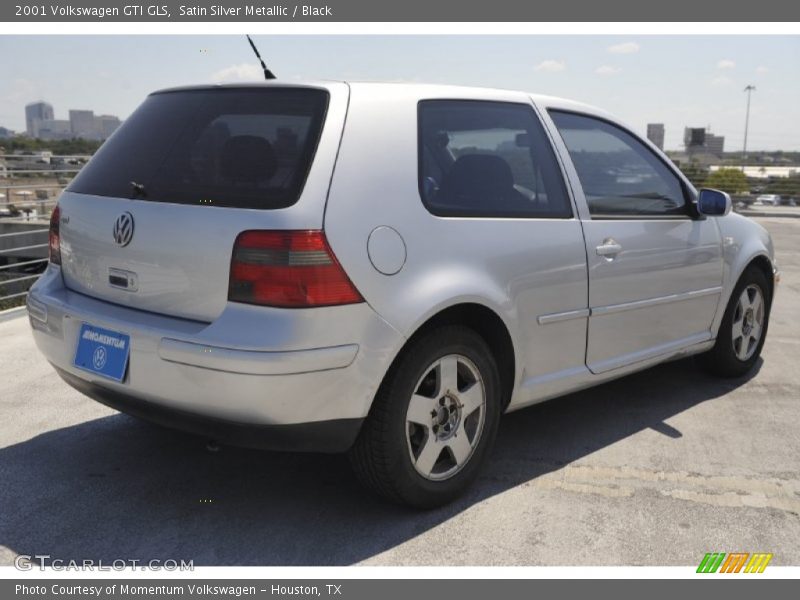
{"type": "Point", "coordinates": [487, 323]}
{"type": "Point", "coordinates": [759, 260]}
{"type": "Point", "coordinates": [745, 244]}
{"type": "Point", "coordinates": [764, 264]}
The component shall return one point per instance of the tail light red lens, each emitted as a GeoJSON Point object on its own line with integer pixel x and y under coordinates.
{"type": "Point", "coordinates": [291, 269]}
{"type": "Point", "coordinates": [55, 236]}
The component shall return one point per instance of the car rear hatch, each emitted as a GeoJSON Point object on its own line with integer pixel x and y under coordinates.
{"type": "Point", "coordinates": [151, 221]}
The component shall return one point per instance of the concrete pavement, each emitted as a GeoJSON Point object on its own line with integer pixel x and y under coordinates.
{"type": "Point", "coordinates": [655, 469]}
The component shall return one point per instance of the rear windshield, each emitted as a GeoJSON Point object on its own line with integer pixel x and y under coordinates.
{"type": "Point", "coordinates": [247, 148]}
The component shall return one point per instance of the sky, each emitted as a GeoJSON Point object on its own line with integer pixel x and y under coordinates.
{"type": "Point", "coordinates": [694, 81]}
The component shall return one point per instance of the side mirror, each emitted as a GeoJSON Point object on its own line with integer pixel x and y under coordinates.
{"type": "Point", "coordinates": [713, 203]}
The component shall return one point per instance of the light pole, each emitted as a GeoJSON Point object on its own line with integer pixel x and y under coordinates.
{"type": "Point", "coordinates": [749, 89]}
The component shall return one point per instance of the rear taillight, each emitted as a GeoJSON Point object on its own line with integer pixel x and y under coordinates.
{"type": "Point", "coordinates": [292, 269]}
{"type": "Point", "coordinates": [55, 236]}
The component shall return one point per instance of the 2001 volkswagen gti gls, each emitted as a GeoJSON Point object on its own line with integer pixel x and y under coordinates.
{"type": "Point", "coordinates": [384, 269]}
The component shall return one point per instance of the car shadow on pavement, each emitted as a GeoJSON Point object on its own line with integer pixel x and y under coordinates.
{"type": "Point", "coordinates": [116, 488]}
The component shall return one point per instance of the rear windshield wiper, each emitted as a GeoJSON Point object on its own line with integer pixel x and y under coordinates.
{"type": "Point", "coordinates": [138, 190]}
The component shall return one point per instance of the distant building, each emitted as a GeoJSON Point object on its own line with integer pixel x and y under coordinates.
{"type": "Point", "coordinates": [82, 124]}
{"type": "Point", "coordinates": [5, 133]}
{"type": "Point", "coordinates": [106, 125]}
{"type": "Point", "coordinates": [700, 140]}
{"type": "Point", "coordinates": [655, 133]}
{"type": "Point", "coordinates": [55, 129]}
{"type": "Point", "coordinates": [694, 137]}
{"type": "Point", "coordinates": [86, 125]}
{"type": "Point", "coordinates": [715, 144]}
{"type": "Point", "coordinates": [34, 114]}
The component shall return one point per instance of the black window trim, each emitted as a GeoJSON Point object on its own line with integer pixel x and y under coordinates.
{"type": "Point", "coordinates": [689, 198]}
{"type": "Point", "coordinates": [570, 214]}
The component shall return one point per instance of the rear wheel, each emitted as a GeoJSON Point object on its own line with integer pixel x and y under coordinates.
{"type": "Point", "coordinates": [433, 421]}
{"type": "Point", "coordinates": [743, 329]}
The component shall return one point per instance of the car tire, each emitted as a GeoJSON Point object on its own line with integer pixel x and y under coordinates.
{"type": "Point", "coordinates": [423, 442]}
{"type": "Point", "coordinates": [737, 348]}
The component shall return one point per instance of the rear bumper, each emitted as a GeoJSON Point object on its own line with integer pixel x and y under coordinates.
{"type": "Point", "coordinates": [276, 378]}
{"type": "Point", "coordinates": [256, 362]}
{"type": "Point", "coordinates": [321, 436]}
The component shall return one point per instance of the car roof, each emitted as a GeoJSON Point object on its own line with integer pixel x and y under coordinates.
{"type": "Point", "coordinates": [421, 90]}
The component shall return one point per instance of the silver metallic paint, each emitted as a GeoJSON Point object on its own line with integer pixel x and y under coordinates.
{"type": "Point", "coordinates": [535, 274]}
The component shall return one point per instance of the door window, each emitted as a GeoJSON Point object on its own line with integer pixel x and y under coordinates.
{"type": "Point", "coordinates": [620, 176]}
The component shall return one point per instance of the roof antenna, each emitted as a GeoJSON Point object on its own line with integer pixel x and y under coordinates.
{"type": "Point", "coordinates": [267, 73]}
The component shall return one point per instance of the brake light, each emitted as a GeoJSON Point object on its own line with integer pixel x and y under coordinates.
{"type": "Point", "coordinates": [55, 236]}
{"type": "Point", "coordinates": [292, 269]}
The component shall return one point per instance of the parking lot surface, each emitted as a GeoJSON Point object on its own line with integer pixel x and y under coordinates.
{"type": "Point", "coordinates": [655, 469]}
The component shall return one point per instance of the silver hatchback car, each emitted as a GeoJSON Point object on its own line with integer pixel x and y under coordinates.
{"type": "Point", "coordinates": [384, 269]}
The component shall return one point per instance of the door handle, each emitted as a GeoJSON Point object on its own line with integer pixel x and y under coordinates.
{"type": "Point", "coordinates": [609, 248]}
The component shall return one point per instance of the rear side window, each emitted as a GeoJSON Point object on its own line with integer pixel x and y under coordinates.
{"type": "Point", "coordinates": [620, 176]}
{"type": "Point", "coordinates": [237, 147]}
{"type": "Point", "coordinates": [487, 159]}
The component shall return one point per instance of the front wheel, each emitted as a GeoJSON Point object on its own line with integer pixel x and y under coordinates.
{"type": "Point", "coordinates": [743, 328]}
{"type": "Point", "coordinates": [433, 421]}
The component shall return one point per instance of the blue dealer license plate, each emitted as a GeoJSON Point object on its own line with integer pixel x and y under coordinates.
{"type": "Point", "coordinates": [103, 352]}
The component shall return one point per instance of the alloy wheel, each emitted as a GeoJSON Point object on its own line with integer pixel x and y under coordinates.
{"type": "Point", "coordinates": [445, 417]}
{"type": "Point", "coordinates": [748, 322]}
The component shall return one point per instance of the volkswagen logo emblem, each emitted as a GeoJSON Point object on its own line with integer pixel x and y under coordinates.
{"type": "Point", "coordinates": [123, 229]}
{"type": "Point", "coordinates": [99, 358]}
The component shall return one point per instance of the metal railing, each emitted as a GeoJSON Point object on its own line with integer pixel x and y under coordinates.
{"type": "Point", "coordinates": [22, 264]}
{"type": "Point", "coordinates": [28, 195]}
{"type": "Point", "coordinates": [15, 275]}
{"type": "Point", "coordinates": [58, 157]}
{"type": "Point", "coordinates": [8, 235]}
{"type": "Point", "coordinates": [30, 185]}
{"type": "Point", "coordinates": [48, 171]}
{"type": "Point", "coordinates": [21, 248]}
{"type": "Point", "coordinates": [12, 296]}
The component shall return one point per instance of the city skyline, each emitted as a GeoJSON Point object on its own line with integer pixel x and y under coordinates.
{"type": "Point", "coordinates": [41, 123]}
{"type": "Point", "coordinates": [680, 81]}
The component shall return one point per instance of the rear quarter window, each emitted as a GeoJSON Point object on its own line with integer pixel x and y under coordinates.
{"type": "Point", "coordinates": [487, 159]}
{"type": "Point", "coordinates": [235, 147]}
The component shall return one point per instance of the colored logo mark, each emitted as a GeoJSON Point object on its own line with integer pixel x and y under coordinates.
{"type": "Point", "coordinates": [736, 562]}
